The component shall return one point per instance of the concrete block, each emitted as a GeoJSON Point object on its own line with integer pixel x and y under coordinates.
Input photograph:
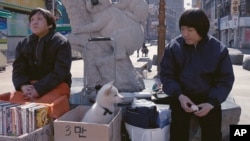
{"type": "Point", "coordinates": [236, 58]}
{"type": "Point", "coordinates": [246, 62]}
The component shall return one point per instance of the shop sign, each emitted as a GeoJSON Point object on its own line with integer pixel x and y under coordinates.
{"type": "Point", "coordinates": [235, 7]}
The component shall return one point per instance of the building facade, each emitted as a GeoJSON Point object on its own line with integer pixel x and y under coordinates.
{"type": "Point", "coordinates": [230, 21]}
{"type": "Point", "coordinates": [174, 9]}
{"type": "Point", "coordinates": [14, 20]}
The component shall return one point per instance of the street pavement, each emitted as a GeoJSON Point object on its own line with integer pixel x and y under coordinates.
{"type": "Point", "coordinates": [240, 91]}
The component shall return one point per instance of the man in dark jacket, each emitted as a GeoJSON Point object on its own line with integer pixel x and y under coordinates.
{"type": "Point", "coordinates": [41, 70]}
{"type": "Point", "coordinates": [197, 74]}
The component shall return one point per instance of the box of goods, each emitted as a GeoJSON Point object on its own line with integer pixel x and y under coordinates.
{"type": "Point", "coordinates": [56, 108]}
{"type": "Point", "coordinates": [44, 133]}
{"type": "Point", "coordinates": [22, 122]}
{"type": "Point", "coordinates": [70, 128]}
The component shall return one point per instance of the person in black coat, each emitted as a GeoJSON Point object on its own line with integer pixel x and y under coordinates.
{"type": "Point", "coordinates": [197, 74]}
{"type": "Point", "coordinates": [144, 50]}
{"type": "Point", "coordinates": [41, 69]}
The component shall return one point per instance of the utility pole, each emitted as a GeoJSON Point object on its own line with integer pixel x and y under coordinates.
{"type": "Point", "coordinates": [53, 7]}
{"type": "Point", "coordinates": [161, 34]}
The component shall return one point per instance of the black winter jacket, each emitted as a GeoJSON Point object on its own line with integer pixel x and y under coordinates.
{"type": "Point", "coordinates": [203, 70]}
{"type": "Point", "coordinates": [47, 60]}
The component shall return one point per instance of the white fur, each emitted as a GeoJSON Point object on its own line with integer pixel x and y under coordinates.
{"type": "Point", "coordinates": [107, 97]}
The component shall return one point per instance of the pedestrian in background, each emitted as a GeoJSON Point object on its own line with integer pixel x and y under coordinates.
{"type": "Point", "coordinates": [41, 69]}
{"type": "Point", "coordinates": [231, 42]}
{"type": "Point", "coordinates": [197, 74]}
{"type": "Point", "coordinates": [144, 50]}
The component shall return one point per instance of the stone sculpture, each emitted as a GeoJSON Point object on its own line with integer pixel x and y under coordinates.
{"type": "Point", "coordinates": [135, 9]}
{"type": "Point", "coordinates": [104, 60]}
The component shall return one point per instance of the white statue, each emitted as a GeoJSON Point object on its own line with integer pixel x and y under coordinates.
{"type": "Point", "coordinates": [107, 61]}
{"type": "Point", "coordinates": [112, 22]}
{"type": "Point", "coordinates": [135, 9]}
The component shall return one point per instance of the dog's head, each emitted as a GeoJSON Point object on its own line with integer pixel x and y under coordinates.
{"type": "Point", "coordinates": [109, 94]}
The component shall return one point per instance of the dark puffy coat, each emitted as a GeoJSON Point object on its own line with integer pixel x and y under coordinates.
{"type": "Point", "coordinates": [47, 60]}
{"type": "Point", "coordinates": [202, 70]}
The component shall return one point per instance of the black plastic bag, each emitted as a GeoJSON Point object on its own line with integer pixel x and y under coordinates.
{"type": "Point", "coordinates": [144, 117]}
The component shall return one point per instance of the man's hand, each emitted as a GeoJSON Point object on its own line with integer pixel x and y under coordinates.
{"type": "Point", "coordinates": [26, 89]}
{"type": "Point", "coordinates": [186, 103]}
{"type": "Point", "coordinates": [204, 109]}
{"type": "Point", "coordinates": [29, 92]}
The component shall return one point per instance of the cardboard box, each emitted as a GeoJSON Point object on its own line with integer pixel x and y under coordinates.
{"type": "Point", "coordinates": [42, 134]}
{"type": "Point", "coordinates": [68, 127]}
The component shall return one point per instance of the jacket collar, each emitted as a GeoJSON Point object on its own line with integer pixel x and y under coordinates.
{"type": "Point", "coordinates": [46, 38]}
{"type": "Point", "coordinates": [39, 45]}
{"type": "Point", "coordinates": [203, 41]}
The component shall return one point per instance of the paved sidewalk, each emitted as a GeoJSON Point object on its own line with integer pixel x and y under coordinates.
{"type": "Point", "coordinates": [240, 91]}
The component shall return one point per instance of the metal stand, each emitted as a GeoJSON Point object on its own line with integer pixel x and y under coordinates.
{"type": "Point", "coordinates": [3, 57]}
{"type": "Point", "coordinates": [86, 64]}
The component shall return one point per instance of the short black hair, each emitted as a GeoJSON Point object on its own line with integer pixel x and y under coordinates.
{"type": "Point", "coordinates": [197, 19]}
{"type": "Point", "coordinates": [50, 18]}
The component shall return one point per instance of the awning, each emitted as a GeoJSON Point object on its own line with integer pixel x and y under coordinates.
{"type": "Point", "coordinates": [5, 14]}
{"type": "Point", "coordinates": [14, 6]}
{"type": "Point", "coordinates": [63, 27]}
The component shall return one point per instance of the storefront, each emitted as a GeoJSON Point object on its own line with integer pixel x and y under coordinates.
{"type": "Point", "coordinates": [244, 32]}
{"type": "Point", "coordinates": [16, 14]}
{"type": "Point", "coordinates": [3, 38]}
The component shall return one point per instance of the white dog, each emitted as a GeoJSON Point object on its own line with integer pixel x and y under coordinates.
{"type": "Point", "coordinates": [102, 111]}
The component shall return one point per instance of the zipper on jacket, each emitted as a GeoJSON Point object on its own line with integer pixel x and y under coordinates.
{"type": "Point", "coordinates": [35, 52]}
{"type": "Point", "coordinates": [195, 47]}
{"type": "Point", "coordinates": [37, 46]}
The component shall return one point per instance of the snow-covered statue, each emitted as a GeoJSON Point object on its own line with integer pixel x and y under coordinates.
{"type": "Point", "coordinates": [106, 60]}
{"type": "Point", "coordinates": [135, 9]}
{"type": "Point", "coordinates": [112, 22]}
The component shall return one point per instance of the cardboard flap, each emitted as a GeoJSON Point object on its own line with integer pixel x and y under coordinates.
{"type": "Point", "coordinates": [74, 115]}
